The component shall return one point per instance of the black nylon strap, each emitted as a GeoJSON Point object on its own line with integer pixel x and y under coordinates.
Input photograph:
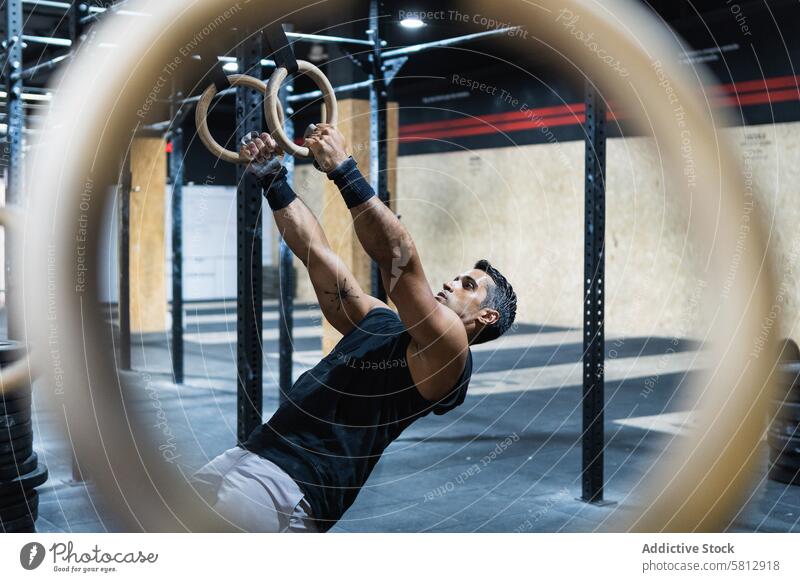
{"type": "Point", "coordinates": [280, 48]}
{"type": "Point", "coordinates": [220, 78]}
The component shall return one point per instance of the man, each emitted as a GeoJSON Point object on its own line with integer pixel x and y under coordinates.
{"type": "Point", "coordinates": [302, 469]}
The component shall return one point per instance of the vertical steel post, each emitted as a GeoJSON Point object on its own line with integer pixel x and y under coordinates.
{"type": "Point", "coordinates": [74, 15]}
{"type": "Point", "coordinates": [176, 173]}
{"type": "Point", "coordinates": [379, 148]}
{"type": "Point", "coordinates": [14, 137]}
{"type": "Point", "coordinates": [593, 304]}
{"type": "Point", "coordinates": [124, 305]}
{"type": "Point", "coordinates": [286, 267]}
{"type": "Point", "coordinates": [75, 32]}
{"type": "Point", "coordinates": [249, 299]}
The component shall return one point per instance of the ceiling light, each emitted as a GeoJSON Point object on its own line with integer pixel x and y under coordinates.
{"type": "Point", "coordinates": [31, 96]}
{"type": "Point", "coordinates": [230, 67]}
{"type": "Point", "coordinates": [412, 23]}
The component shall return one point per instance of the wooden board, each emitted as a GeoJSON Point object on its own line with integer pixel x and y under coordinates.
{"type": "Point", "coordinates": [148, 290]}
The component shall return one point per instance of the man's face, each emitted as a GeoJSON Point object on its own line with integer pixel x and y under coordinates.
{"type": "Point", "coordinates": [465, 293]}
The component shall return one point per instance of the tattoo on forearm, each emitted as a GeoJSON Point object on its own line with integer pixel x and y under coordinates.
{"type": "Point", "coordinates": [341, 294]}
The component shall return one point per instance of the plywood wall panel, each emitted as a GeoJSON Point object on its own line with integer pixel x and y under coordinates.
{"type": "Point", "coordinates": [148, 290]}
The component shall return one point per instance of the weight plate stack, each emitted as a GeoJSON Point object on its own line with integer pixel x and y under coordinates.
{"type": "Point", "coordinates": [12, 419]}
{"type": "Point", "coordinates": [785, 460]}
{"type": "Point", "coordinates": [16, 431]}
{"type": "Point", "coordinates": [784, 426]}
{"type": "Point", "coordinates": [20, 472]}
{"type": "Point", "coordinates": [21, 525]}
{"type": "Point", "coordinates": [784, 445]}
{"type": "Point", "coordinates": [784, 457]}
{"type": "Point", "coordinates": [20, 507]}
{"type": "Point", "coordinates": [23, 484]}
{"type": "Point", "coordinates": [17, 403]}
{"type": "Point", "coordinates": [784, 475]}
{"type": "Point", "coordinates": [789, 382]}
{"type": "Point", "coordinates": [19, 501]}
{"type": "Point", "coordinates": [20, 447]}
{"type": "Point", "coordinates": [11, 351]}
{"type": "Point", "coordinates": [19, 467]}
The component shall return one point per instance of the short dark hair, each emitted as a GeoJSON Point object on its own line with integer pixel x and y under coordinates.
{"type": "Point", "coordinates": [500, 297]}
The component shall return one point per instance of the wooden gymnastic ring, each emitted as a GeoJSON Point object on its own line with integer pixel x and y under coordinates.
{"type": "Point", "coordinates": [201, 117]}
{"type": "Point", "coordinates": [330, 113]}
{"type": "Point", "coordinates": [16, 376]}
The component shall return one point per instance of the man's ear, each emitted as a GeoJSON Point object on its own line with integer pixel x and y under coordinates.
{"type": "Point", "coordinates": [488, 316]}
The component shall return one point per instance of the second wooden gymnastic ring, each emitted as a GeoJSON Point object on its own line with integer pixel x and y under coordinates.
{"type": "Point", "coordinates": [201, 114]}
{"type": "Point", "coordinates": [330, 112]}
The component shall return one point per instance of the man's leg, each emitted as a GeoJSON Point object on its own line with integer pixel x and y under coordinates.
{"type": "Point", "coordinates": [254, 494]}
{"type": "Point", "coordinates": [208, 479]}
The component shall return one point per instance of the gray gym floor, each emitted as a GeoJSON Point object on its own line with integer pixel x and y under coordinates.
{"type": "Point", "coordinates": [507, 460]}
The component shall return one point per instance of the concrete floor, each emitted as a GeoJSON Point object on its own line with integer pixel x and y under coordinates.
{"type": "Point", "coordinates": [446, 473]}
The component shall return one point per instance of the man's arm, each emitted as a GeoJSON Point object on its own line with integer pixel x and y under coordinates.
{"type": "Point", "coordinates": [340, 297]}
{"type": "Point", "coordinates": [433, 326]}
{"type": "Point", "coordinates": [437, 330]}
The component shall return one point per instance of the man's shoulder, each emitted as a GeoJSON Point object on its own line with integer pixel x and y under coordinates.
{"type": "Point", "coordinates": [436, 371]}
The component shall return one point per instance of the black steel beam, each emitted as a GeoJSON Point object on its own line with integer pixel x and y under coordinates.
{"type": "Point", "coordinates": [75, 25]}
{"type": "Point", "coordinates": [124, 306]}
{"type": "Point", "coordinates": [593, 303]}
{"type": "Point", "coordinates": [14, 141]}
{"type": "Point", "coordinates": [176, 174]}
{"type": "Point", "coordinates": [379, 150]}
{"type": "Point", "coordinates": [286, 270]}
{"type": "Point", "coordinates": [249, 299]}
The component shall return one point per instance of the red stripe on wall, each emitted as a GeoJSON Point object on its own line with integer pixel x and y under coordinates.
{"type": "Point", "coordinates": [758, 98]}
{"type": "Point", "coordinates": [755, 85]}
{"type": "Point", "coordinates": [737, 94]}
{"type": "Point", "coordinates": [445, 130]}
{"type": "Point", "coordinates": [576, 108]}
{"type": "Point", "coordinates": [499, 128]}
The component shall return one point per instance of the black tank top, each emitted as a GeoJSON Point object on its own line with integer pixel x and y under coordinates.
{"type": "Point", "coordinates": [341, 415]}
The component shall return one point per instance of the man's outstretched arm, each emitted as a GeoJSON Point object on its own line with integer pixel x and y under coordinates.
{"type": "Point", "coordinates": [340, 297]}
{"type": "Point", "coordinates": [435, 328]}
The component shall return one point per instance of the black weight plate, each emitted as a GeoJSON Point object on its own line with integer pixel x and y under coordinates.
{"type": "Point", "coordinates": [788, 461]}
{"type": "Point", "coordinates": [21, 467]}
{"type": "Point", "coordinates": [16, 525]}
{"type": "Point", "coordinates": [15, 497]}
{"type": "Point", "coordinates": [13, 406]}
{"type": "Point", "coordinates": [26, 508]}
{"type": "Point", "coordinates": [789, 380]}
{"type": "Point", "coordinates": [16, 455]}
{"type": "Point", "coordinates": [13, 419]}
{"type": "Point", "coordinates": [783, 475]}
{"type": "Point", "coordinates": [16, 393]}
{"type": "Point", "coordinates": [17, 444]}
{"type": "Point", "coordinates": [786, 410]}
{"type": "Point", "coordinates": [784, 429]}
{"type": "Point", "coordinates": [6, 434]}
{"type": "Point", "coordinates": [784, 445]}
{"type": "Point", "coordinates": [24, 482]}
{"type": "Point", "coordinates": [11, 351]}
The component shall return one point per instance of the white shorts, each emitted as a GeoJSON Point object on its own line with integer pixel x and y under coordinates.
{"type": "Point", "coordinates": [253, 493]}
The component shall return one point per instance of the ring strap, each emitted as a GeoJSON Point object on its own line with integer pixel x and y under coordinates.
{"type": "Point", "coordinates": [282, 51]}
{"type": "Point", "coordinates": [220, 77]}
